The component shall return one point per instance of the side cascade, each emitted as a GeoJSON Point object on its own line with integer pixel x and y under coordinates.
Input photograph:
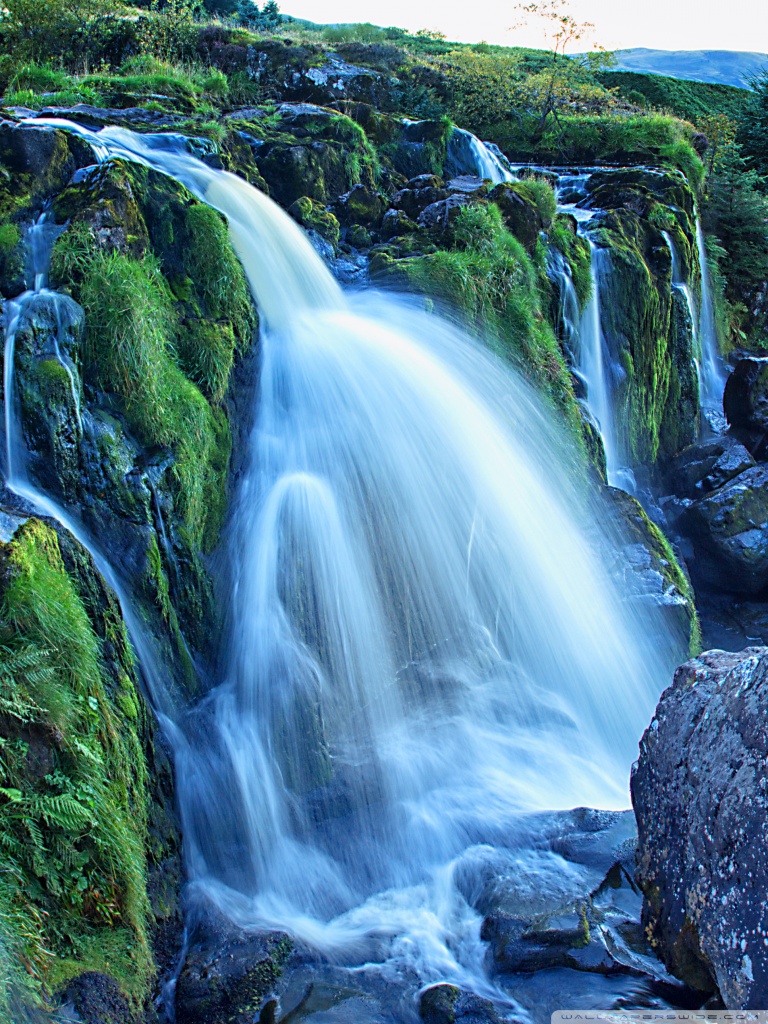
{"type": "Point", "coordinates": [713, 370]}
{"type": "Point", "coordinates": [427, 642]}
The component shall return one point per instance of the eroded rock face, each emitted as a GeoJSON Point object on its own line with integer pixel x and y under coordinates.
{"type": "Point", "coordinates": [701, 802]}
{"type": "Point", "coordinates": [701, 468]}
{"type": "Point", "coordinates": [745, 400]}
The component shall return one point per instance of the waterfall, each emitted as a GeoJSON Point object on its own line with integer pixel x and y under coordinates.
{"type": "Point", "coordinates": [426, 641]}
{"type": "Point", "coordinates": [468, 155]}
{"type": "Point", "coordinates": [713, 372]}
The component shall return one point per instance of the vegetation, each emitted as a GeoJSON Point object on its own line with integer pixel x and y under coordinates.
{"type": "Point", "coordinates": [74, 799]}
{"type": "Point", "coordinates": [490, 279]}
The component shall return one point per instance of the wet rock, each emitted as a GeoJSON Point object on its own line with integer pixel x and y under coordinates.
{"type": "Point", "coordinates": [48, 339]}
{"type": "Point", "coordinates": [97, 999]}
{"type": "Point", "coordinates": [729, 531]}
{"type": "Point", "coordinates": [699, 794]}
{"type": "Point", "coordinates": [417, 197]}
{"type": "Point", "coordinates": [42, 157]}
{"type": "Point", "coordinates": [314, 217]}
{"type": "Point", "coordinates": [395, 223]}
{"type": "Point", "coordinates": [570, 903]}
{"type": "Point", "coordinates": [228, 972]}
{"type": "Point", "coordinates": [447, 1004]}
{"type": "Point", "coordinates": [439, 217]}
{"type": "Point", "coordinates": [361, 206]}
{"type": "Point", "coordinates": [701, 468]}
{"type": "Point", "coordinates": [745, 400]}
{"type": "Point", "coordinates": [653, 574]}
{"type": "Point", "coordinates": [422, 148]}
{"type": "Point", "coordinates": [519, 213]}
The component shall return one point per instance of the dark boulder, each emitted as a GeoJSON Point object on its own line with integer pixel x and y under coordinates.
{"type": "Point", "coordinates": [700, 800]}
{"type": "Point", "coordinates": [519, 213]}
{"type": "Point", "coordinates": [415, 198]}
{"type": "Point", "coordinates": [227, 972]}
{"type": "Point", "coordinates": [447, 1004]}
{"type": "Point", "coordinates": [745, 400]}
{"type": "Point", "coordinates": [439, 217]}
{"type": "Point", "coordinates": [701, 468]}
{"type": "Point", "coordinates": [360, 205]}
{"type": "Point", "coordinates": [395, 223]}
{"type": "Point", "coordinates": [729, 530]}
{"type": "Point", "coordinates": [97, 999]}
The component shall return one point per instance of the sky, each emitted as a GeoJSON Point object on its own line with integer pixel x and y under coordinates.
{"type": "Point", "coordinates": [659, 24]}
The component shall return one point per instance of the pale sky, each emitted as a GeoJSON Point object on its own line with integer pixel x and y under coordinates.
{"type": "Point", "coordinates": [659, 24]}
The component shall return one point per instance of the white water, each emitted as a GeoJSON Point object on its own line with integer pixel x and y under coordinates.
{"type": "Point", "coordinates": [713, 371]}
{"type": "Point", "coordinates": [468, 155]}
{"type": "Point", "coordinates": [425, 641]}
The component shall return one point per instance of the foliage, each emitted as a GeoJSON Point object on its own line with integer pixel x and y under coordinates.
{"type": "Point", "coordinates": [735, 211]}
{"type": "Point", "coordinates": [168, 31]}
{"type": "Point", "coordinates": [73, 805]}
{"type": "Point", "coordinates": [753, 128]}
{"type": "Point", "coordinates": [692, 101]}
{"type": "Point", "coordinates": [45, 29]}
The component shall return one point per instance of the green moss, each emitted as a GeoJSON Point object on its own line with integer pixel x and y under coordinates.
{"type": "Point", "coordinates": [74, 802]}
{"type": "Point", "coordinates": [494, 283]}
{"type": "Point", "coordinates": [575, 248]}
{"type": "Point", "coordinates": [129, 351]}
{"type": "Point", "coordinates": [314, 216]}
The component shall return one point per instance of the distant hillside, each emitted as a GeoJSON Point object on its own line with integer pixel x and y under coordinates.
{"type": "Point", "coordinates": [725, 67]}
{"type": "Point", "coordinates": [688, 99]}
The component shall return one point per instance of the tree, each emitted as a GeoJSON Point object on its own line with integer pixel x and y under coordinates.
{"type": "Point", "coordinates": [753, 128]}
{"type": "Point", "coordinates": [543, 95]}
{"type": "Point", "coordinates": [736, 211]}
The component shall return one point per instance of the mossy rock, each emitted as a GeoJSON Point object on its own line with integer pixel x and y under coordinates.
{"type": "Point", "coordinates": [656, 574]}
{"type": "Point", "coordinates": [422, 147]}
{"type": "Point", "coordinates": [649, 336]}
{"type": "Point", "coordinates": [102, 199]}
{"type": "Point", "coordinates": [315, 217]}
{"type": "Point", "coordinates": [75, 812]}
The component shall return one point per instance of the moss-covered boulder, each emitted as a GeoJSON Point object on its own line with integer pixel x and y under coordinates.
{"type": "Point", "coordinates": [304, 150]}
{"type": "Point", "coordinates": [422, 147]}
{"type": "Point", "coordinates": [313, 216]}
{"type": "Point", "coordinates": [228, 972]}
{"type": "Point", "coordinates": [361, 205]}
{"type": "Point", "coordinates": [78, 802]}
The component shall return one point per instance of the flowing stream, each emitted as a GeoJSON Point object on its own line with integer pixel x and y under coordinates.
{"type": "Point", "coordinates": [426, 642]}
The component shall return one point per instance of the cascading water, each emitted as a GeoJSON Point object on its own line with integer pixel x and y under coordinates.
{"type": "Point", "coordinates": [426, 645]}
{"type": "Point", "coordinates": [468, 155]}
{"type": "Point", "coordinates": [713, 371]}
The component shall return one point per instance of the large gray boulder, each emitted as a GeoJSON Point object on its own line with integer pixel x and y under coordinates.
{"type": "Point", "coordinates": [703, 467]}
{"type": "Point", "coordinates": [700, 796]}
{"type": "Point", "coordinates": [729, 530]}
